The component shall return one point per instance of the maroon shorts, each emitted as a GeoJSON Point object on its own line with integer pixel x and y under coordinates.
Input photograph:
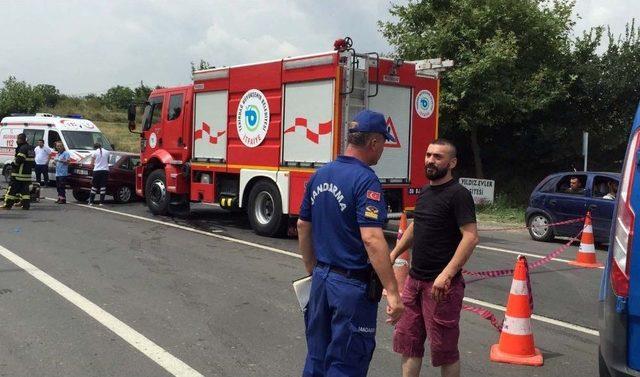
{"type": "Point", "coordinates": [424, 318]}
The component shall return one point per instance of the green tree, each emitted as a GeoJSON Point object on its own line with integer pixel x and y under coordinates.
{"type": "Point", "coordinates": [48, 94]}
{"type": "Point", "coordinates": [508, 56]}
{"type": "Point", "coordinates": [202, 65]}
{"type": "Point", "coordinates": [17, 97]}
{"type": "Point", "coordinates": [118, 97]}
{"type": "Point", "coordinates": [142, 92]}
{"type": "Point", "coordinates": [603, 94]}
{"type": "Point", "coordinates": [619, 93]}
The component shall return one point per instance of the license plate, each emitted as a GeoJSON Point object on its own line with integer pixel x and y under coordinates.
{"type": "Point", "coordinates": [82, 172]}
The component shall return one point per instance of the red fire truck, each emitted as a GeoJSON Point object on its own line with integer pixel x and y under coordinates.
{"type": "Point", "coordinates": [250, 136]}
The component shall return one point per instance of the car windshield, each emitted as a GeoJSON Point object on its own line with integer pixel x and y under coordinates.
{"type": "Point", "coordinates": [85, 140]}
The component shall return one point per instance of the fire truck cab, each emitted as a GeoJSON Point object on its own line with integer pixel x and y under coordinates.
{"type": "Point", "coordinates": [250, 136]}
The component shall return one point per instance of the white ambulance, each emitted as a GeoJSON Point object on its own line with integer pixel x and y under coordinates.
{"type": "Point", "coordinates": [78, 136]}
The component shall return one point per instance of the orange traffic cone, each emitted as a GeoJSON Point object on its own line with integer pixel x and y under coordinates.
{"type": "Point", "coordinates": [586, 256]}
{"type": "Point", "coordinates": [401, 265]}
{"type": "Point", "coordinates": [516, 339]}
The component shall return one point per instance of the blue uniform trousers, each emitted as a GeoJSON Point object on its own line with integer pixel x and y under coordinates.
{"type": "Point", "coordinates": [340, 326]}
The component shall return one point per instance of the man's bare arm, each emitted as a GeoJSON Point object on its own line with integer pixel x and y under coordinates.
{"type": "Point", "coordinates": [378, 252]}
{"type": "Point", "coordinates": [405, 243]}
{"type": "Point", "coordinates": [465, 248]}
{"type": "Point", "coordinates": [463, 253]}
{"type": "Point", "coordinates": [305, 244]}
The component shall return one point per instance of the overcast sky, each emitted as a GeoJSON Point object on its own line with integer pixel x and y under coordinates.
{"type": "Point", "coordinates": [86, 47]}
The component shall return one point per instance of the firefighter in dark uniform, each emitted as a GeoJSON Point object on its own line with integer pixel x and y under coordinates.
{"type": "Point", "coordinates": [342, 243]}
{"type": "Point", "coordinates": [23, 164]}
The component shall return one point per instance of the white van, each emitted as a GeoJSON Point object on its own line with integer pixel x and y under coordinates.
{"type": "Point", "coordinates": [77, 135]}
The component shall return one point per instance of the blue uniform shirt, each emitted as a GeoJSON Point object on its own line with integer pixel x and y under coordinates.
{"type": "Point", "coordinates": [341, 197]}
{"type": "Point", "coordinates": [62, 164]}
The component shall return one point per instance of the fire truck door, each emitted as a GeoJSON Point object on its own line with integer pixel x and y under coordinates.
{"type": "Point", "coordinates": [152, 124]}
{"type": "Point", "coordinates": [395, 103]}
{"type": "Point", "coordinates": [172, 134]}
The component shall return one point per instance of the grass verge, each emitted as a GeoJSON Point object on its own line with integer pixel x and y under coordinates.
{"type": "Point", "coordinates": [502, 210]}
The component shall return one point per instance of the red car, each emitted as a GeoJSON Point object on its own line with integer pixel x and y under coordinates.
{"type": "Point", "coordinates": [121, 184]}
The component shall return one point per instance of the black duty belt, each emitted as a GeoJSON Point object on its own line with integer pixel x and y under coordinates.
{"type": "Point", "coordinates": [364, 275]}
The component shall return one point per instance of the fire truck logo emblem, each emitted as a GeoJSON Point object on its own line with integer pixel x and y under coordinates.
{"type": "Point", "coordinates": [153, 140]}
{"type": "Point", "coordinates": [425, 104]}
{"type": "Point", "coordinates": [252, 119]}
{"type": "Point", "coordinates": [323, 129]}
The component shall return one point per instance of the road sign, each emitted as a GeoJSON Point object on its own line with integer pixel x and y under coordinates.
{"type": "Point", "coordinates": [481, 189]}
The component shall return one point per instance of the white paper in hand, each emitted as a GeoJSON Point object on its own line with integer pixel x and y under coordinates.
{"type": "Point", "coordinates": [302, 288]}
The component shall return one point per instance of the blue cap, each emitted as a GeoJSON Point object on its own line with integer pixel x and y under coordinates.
{"type": "Point", "coordinates": [371, 121]}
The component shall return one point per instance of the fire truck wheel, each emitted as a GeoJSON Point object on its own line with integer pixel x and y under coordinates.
{"type": "Point", "coordinates": [265, 210]}
{"type": "Point", "coordinates": [156, 193]}
{"type": "Point", "coordinates": [80, 195]}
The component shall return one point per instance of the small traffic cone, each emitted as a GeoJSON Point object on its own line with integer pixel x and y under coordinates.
{"type": "Point", "coordinates": [516, 339]}
{"type": "Point", "coordinates": [586, 256]}
{"type": "Point", "coordinates": [401, 265]}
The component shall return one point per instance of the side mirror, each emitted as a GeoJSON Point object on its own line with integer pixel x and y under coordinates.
{"type": "Point", "coordinates": [113, 146]}
{"type": "Point", "coordinates": [131, 117]}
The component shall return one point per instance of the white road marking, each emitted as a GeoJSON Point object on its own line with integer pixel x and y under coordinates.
{"type": "Point", "coordinates": [551, 321]}
{"type": "Point", "coordinates": [252, 244]}
{"type": "Point", "coordinates": [540, 318]}
{"type": "Point", "coordinates": [523, 253]}
{"type": "Point", "coordinates": [156, 353]}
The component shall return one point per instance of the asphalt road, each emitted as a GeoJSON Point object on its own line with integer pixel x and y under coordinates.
{"type": "Point", "coordinates": [114, 291]}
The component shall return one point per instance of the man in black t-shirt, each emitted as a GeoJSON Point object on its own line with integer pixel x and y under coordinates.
{"type": "Point", "coordinates": [443, 236]}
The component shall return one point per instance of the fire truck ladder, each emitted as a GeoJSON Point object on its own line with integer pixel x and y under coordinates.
{"type": "Point", "coordinates": [357, 85]}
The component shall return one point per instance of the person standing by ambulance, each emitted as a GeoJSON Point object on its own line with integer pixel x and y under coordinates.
{"type": "Point", "coordinates": [62, 172]}
{"type": "Point", "coordinates": [42, 162]}
{"type": "Point", "coordinates": [343, 247]}
{"type": "Point", "coordinates": [100, 161]}
{"type": "Point", "coordinates": [23, 163]}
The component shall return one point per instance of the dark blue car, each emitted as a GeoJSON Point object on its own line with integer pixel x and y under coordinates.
{"type": "Point", "coordinates": [620, 289]}
{"type": "Point", "coordinates": [566, 196]}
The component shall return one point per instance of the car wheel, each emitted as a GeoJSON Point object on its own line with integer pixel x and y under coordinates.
{"type": "Point", "coordinates": [81, 196]}
{"type": "Point", "coordinates": [123, 194]}
{"type": "Point", "coordinates": [156, 194]}
{"type": "Point", "coordinates": [265, 210]}
{"type": "Point", "coordinates": [6, 172]}
{"type": "Point", "coordinates": [539, 228]}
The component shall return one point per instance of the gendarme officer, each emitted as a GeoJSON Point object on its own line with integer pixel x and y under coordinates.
{"type": "Point", "coordinates": [343, 247]}
{"type": "Point", "coordinates": [23, 164]}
